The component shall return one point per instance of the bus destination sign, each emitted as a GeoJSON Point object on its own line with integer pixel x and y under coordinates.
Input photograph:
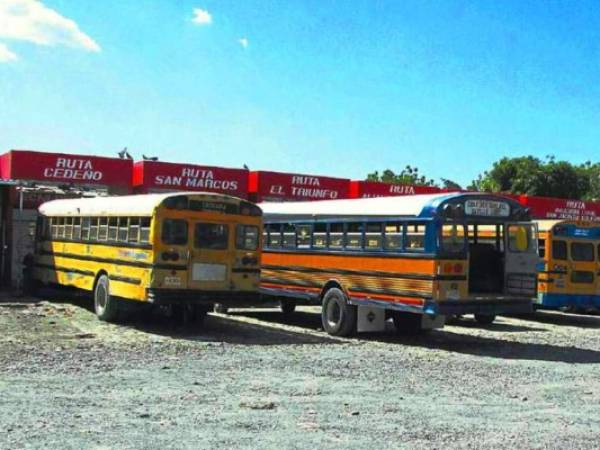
{"type": "Point", "coordinates": [487, 208]}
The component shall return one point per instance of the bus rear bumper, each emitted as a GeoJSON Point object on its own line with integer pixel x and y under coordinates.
{"type": "Point", "coordinates": [488, 307]}
{"type": "Point", "coordinates": [176, 296]}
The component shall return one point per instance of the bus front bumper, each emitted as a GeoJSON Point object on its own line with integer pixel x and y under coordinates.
{"type": "Point", "coordinates": [484, 306]}
{"type": "Point", "coordinates": [179, 296]}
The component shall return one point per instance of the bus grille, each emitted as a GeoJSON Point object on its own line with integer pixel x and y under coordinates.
{"type": "Point", "coordinates": [521, 284]}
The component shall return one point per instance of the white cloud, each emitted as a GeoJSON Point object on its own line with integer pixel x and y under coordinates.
{"type": "Point", "coordinates": [5, 54]}
{"type": "Point", "coordinates": [32, 21]}
{"type": "Point", "coordinates": [243, 42]}
{"type": "Point", "coordinates": [202, 17]}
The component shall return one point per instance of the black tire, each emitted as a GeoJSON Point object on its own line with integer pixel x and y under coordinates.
{"type": "Point", "coordinates": [221, 308]}
{"type": "Point", "coordinates": [485, 319]}
{"type": "Point", "coordinates": [338, 317]}
{"type": "Point", "coordinates": [105, 305]}
{"type": "Point", "coordinates": [408, 323]}
{"type": "Point", "coordinates": [200, 313]}
{"type": "Point", "coordinates": [288, 306]}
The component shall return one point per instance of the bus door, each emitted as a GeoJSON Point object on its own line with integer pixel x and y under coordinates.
{"type": "Point", "coordinates": [582, 267]}
{"type": "Point", "coordinates": [210, 258]}
{"type": "Point", "coordinates": [520, 259]}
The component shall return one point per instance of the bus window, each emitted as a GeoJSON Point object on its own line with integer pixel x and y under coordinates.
{"type": "Point", "coordinates": [94, 229]}
{"type": "Point", "coordinates": [519, 238]}
{"type": "Point", "coordinates": [211, 236]}
{"type": "Point", "coordinates": [320, 235]}
{"type": "Point", "coordinates": [303, 236]}
{"type": "Point", "coordinates": [582, 276]}
{"type": "Point", "coordinates": [542, 247]}
{"type": "Point", "coordinates": [134, 229]}
{"type": "Point", "coordinates": [559, 250]}
{"type": "Point", "coordinates": [415, 237]}
{"type": "Point", "coordinates": [61, 227]}
{"type": "Point", "coordinates": [336, 235]}
{"type": "Point", "coordinates": [453, 238]}
{"type": "Point", "coordinates": [123, 226]}
{"type": "Point", "coordinates": [289, 235]}
{"type": "Point", "coordinates": [582, 251]}
{"type": "Point", "coordinates": [69, 228]}
{"type": "Point", "coordinates": [373, 236]}
{"type": "Point", "coordinates": [145, 230]}
{"type": "Point", "coordinates": [103, 229]}
{"type": "Point", "coordinates": [393, 236]}
{"type": "Point", "coordinates": [77, 228]}
{"type": "Point", "coordinates": [274, 235]}
{"type": "Point", "coordinates": [85, 228]}
{"type": "Point", "coordinates": [175, 232]}
{"type": "Point", "coordinates": [354, 236]}
{"type": "Point", "coordinates": [246, 237]}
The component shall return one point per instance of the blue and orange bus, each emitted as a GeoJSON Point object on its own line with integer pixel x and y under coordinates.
{"type": "Point", "coordinates": [414, 259]}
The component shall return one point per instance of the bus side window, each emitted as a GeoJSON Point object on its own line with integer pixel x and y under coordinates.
{"type": "Point", "coordinates": [111, 231]}
{"type": "Point", "coordinates": [415, 237]}
{"type": "Point", "coordinates": [559, 250]}
{"type": "Point", "coordinates": [393, 236]}
{"type": "Point", "coordinates": [303, 236]}
{"type": "Point", "coordinates": [68, 228]}
{"type": "Point", "coordinates": [319, 235]}
{"type": "Point", "coordinates": [145, 230]}
{"type": "Point", "coordinates": [542, 247]}
{"type": "Point", "coordinates": [336, 235]}
{"type": "Point", "coordinates": [373, 237]}
{"type": "Point", "coordinates": [134, 229]}
{"type": "Point", "coordinates": [85, 228]}
{"type": "Point", "coordinates": [94, 229]}
{"type": "Point", "coordinates": [354, 236]}
{"type": "Point", "coordinates": [289, 235]}
{"type": "Point", "coordinates": [61, 227]}
{"type": "Point", "coordinates": [54, 227]}
{"type": "Point", "coordinates": [103, 228]}
{"type": "Point", "coordinates": [123, 226]}
{"type": "Point", "coordinates": [274, 235]}
{"type": "Point", "coordinates": [77, 228]}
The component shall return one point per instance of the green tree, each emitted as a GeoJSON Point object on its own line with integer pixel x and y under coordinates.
{"type": "Point", "coordinates": [532, 176]}
{"type": "Point", "coordinates": [408, 175]}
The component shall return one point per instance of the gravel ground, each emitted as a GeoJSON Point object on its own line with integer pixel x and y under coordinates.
{"type": "Point", "coordinates": [254, 380]}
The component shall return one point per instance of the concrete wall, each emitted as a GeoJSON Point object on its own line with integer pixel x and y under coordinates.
{"type": "Point", "coordinates": [23, 237]}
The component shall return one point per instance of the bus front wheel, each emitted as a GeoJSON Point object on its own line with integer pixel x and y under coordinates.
{"type": "Point", "coordinates": [105, 305]}
{"type": "Point", "coordinates": [338, 317]}
{"type": "Point", "coordinates": [485, 319]}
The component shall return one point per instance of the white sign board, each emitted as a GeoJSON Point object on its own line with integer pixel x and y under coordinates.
{"type": "Point", "coordinates": [487, 208]}
{"type": "Point", "coordinates": [208, 272]}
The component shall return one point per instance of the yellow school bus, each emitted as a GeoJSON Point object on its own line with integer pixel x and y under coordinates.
{"type": "Point", "coordinates": [186, 250]}
{"type": "Point", "coordinates": [569, 265]}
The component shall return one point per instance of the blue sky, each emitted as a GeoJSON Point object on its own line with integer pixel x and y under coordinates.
{"type": "Point", "coordinates": [336, 88]}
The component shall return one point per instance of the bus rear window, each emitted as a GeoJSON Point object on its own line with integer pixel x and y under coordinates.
{"type": "Point", "coordinates": [246, 237]}
{"type": "Point", "coordinates": [453, 238]}
{"type": "Point", "coordinates": [582, 251]}
{"type": "Point", "coordinates": [519, 238]}
{"type": "Point", "coordinates": [212, 236]}
{"type": "Point", "coordinates": [175, 232]}
{"type": "Point", "coordinates": [559, 250]}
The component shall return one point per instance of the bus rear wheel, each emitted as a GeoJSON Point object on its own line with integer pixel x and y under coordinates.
{"type": "Point", "coordinates": [485, 319]}
{"type": "Point", "coordinates": [337, 315]}
{"type": "Point", "coordinates": [105, 305]}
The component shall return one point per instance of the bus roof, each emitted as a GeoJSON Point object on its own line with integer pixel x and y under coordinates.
{"type": "Point", "coordinates": [123, 205]}
{"type": "Point", "coordinates": [546, 225]}
{"type": "Point", "coordinates": [417, 206]}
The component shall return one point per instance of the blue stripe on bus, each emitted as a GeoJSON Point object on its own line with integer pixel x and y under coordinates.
{"type": "Point", "coordinates": [566, 300]}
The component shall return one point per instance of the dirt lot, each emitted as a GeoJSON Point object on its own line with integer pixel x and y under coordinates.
{"type": "Point", "coordinates": [251, 380]}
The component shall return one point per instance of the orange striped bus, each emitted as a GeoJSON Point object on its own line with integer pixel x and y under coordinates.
{"type": "Point", "coordinates": [415, 259]}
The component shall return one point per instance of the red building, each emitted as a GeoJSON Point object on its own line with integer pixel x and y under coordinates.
{"type": "Point", "coordinates": [367, 189]}
{"type": "Point", "coordinates": [279, 186]}
{"type": "Point", "coordinates": [154, 176]}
